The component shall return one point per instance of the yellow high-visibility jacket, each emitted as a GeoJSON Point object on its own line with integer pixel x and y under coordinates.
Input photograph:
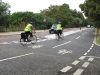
{"type": "Point", "coordinates": [28, 28]}
{"type": "Point", "coordinates": [58, 27]}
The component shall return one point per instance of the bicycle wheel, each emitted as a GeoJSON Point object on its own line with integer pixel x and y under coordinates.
{"type": "Point", "coordinates": [22, 41]}
{"type": "Point", "coordinates": [57, 37]}
{"type": "Point", "coordinates": [33, 39]}
{"type": "Point", "coordinates": [62, 36]}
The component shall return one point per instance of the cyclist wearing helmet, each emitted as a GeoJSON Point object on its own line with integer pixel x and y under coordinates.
{"type": "Point", "coordinates": [59, 29]}
{"type": "Point", "coordinates": [28, 30]}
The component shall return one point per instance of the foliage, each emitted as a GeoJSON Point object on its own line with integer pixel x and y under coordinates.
{"type": "Point", "coordinates": [91, 8]}
{"type": "Point", "coordinates": [63, 13]}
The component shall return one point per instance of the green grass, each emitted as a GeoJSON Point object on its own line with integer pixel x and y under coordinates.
{"type": "Point", "coordinates": [98, 36]}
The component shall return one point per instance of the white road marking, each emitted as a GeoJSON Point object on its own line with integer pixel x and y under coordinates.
{"type": "Point", "coordinates": [5, 43]}
{"type": "Point", "coordinates": [88, 51]}
{"type": "Point", "coordinates": [90, 48]}
{"type": "Point", "coordinates": [62, 44]}
{"type": "Point", "coordinates": [15, 41]}
{"type": "Point", "coordinates": [78, 72]}
{"type": "Point", "coordinates": [82, 57]}
{"type": "Point", "coordinates": [90, 59]}
{"type": "Point", "coordinates": [85, 64]}
{"type": "Point", "coordinates": [75, 62]}
{"type": "Point", "coordinates": [93, 56]}
{"type": "Point", "coordinates": [92, 45]}
{"type": "Point", "coordinates": [64, 51]}
{"type": "Point", "coordinates": [36, 46]}
{"type": "Point", "coordinates": [77, 37]}
{"type": "Point", "coordinates": [17, 57]}
{"type": "Point", "coordinates": [41, 40]}
{"type": "Point", "coordinates": [66, 69]}
{"type": "Point", "coordinates": [85, 54]}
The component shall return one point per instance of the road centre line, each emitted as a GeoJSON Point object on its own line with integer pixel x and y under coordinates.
{"type": "Point", "coordinates": [62, 44]}
{"type": "Point", "coordinates": [65, 69]}
{"type": "Point", "coordinates": [85, 64]}
{"type": "Point", "coordinates": [75, 62]}
{"type": "Point", "coordinates": [17, 57]}
{"type": "Point", "coordinates": [78, 72]}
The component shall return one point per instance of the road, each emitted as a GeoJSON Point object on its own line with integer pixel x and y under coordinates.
{"type": "Point", "coordinates": [76, 54]}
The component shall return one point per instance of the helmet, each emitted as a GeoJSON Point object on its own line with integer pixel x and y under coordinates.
{"type": "Point", "coordinates": [29, 25]}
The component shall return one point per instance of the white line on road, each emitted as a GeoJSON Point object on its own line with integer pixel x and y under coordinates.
{"type": "Point", "coordinates": [85, 64]}
{"type": "Point", "coordinates": [90, 59]}
{"type": "Point", "coordinates": [85, 54]}
{"type": "Point", "coordinates": [15, 42]}
{"type": "Point", "coordinates": [66, 69]}
{"type": "Point", "coordinates": [92, 45]}
{"type": "Point", "coordinates": [78, 72]}
{"type": "Point", "coordinates": [82, 57]}
{"type": "Point", "coordinates": [17, 56]}
{"type": "Point", "coordinates": [88, 51]}
{"type": "Point", "coordinates": [5, 43]}
{"type": "Point", "coordinates": [93, 57]}
{"type": "Point", "coordinates": [90, 48]}
{"type": "Point", "coordinates": [62, 44]}
{"type": "Point", "coordinates": [75, 62]}
{"type": "Point", "coordinates": [77, 37]}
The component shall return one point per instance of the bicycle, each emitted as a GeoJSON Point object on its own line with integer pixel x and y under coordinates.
{"type": "Point", "coordinates": [59, 36]}
{"type": "Point", "coordinates": [24, 41]}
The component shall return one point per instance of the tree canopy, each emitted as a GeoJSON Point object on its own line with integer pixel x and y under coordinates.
{"type": "Point", "coordinates": [4, 12]}
{"type": "Point", "coordinates": [91, 8]}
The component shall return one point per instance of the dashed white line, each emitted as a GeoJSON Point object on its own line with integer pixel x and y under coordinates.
{"type": "Point", "coordinates": [85, 54]}
{"type": "Point", "coordinates": [88, 51]}
{"type": "Point", "coordinates": [75, 62]}
{"type": "Point", "coordinates": [62, 44]}
{"type": "Point", "coordinates": [77, 37]}
{"type": "Point", "coordinates": [92, 45]}
{"type": "Point", "coordinates": [90, 48]}
{"type": "Point", "coordinates": [66, 69]}
{"type": "Point", "coordinates": [90, 59]}
{"type": "Point", "coordinates": [78, 72]}
{"type": "Point", "coordinates": [17, 56]}
{"type": "Point", "coordinates": [82, 57]}
{"type": "Point", "coordinates": [85, 64]}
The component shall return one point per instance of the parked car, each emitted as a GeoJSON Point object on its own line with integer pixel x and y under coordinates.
{"type": "Point", "coordinates": [52, 29]}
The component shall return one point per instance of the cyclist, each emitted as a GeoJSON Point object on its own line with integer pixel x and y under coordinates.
{"type": "Point", "coordinates": [59, 29]}
{"type": "Point", "coordinates": [28, 31]}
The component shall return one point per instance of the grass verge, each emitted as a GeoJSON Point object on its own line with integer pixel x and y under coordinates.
{"type": "Point", "coordinates": [98, 36]}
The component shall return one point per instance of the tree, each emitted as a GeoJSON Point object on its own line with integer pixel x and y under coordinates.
{"type": "Point", "coordinates": [64, 14]}
{"type": "Point", "coordinates": [56, 12]}
{"type": "Point", "coordinates": [91, 9]}
{"type": "Point", "coordinates": [4, 13]}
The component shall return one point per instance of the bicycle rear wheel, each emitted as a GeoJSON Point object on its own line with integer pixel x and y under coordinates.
{"type": "Point", "coordinates": [33, 39]}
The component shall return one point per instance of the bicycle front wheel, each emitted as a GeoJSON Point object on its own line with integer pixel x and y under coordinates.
{"type": "Point", "coordinates": [34, 39]}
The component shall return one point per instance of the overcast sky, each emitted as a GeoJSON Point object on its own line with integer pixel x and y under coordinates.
{"type": "Point", "coordinates": [37, 5]}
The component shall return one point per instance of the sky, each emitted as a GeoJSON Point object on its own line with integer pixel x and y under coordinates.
{"type": "Point", "coordinates": [37, 5]}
